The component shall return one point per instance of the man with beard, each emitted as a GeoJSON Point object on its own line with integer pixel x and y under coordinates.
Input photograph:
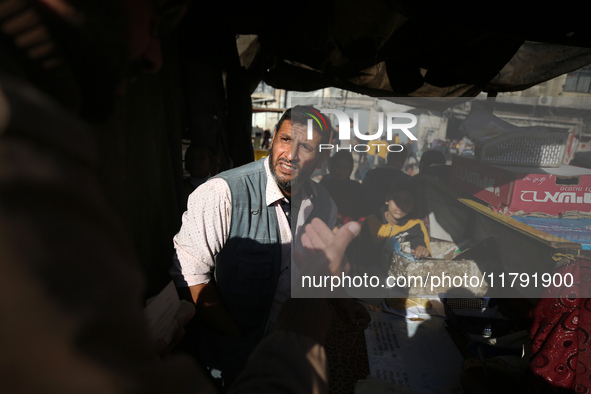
{"type": "Point", "coordinates": [233, 251]}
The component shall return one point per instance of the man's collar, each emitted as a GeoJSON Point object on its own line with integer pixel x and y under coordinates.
{"type": "Point", "coordinates": [272, 193]}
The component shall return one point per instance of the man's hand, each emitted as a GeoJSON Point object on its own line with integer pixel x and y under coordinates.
{"type": "Point", "coordinates": [325, 249]}
{"type": "Point", "coordinates": [326, 254]}
{"type": "Point", "coordinates": [210, 309]}
{"type": "Point", "coordinates": [184, 314]}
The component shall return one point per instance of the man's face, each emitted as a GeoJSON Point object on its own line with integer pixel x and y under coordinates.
{"type": "Point", "coordinates": [293, 157]}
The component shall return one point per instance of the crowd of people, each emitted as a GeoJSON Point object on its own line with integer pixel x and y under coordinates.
{"type": "Point", "coordinates": [361, 193]}
{"type": "Point", "coordinates": [386, 201]}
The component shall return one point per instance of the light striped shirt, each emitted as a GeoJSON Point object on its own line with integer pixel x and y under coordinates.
{"type": "Point", "coordinates": [206, 227]}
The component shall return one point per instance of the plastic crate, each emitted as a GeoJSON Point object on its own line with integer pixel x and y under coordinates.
{"type": "Point", "coordinates": [531, 148]}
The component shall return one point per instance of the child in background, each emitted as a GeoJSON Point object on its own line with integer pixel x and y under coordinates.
{"type": "Point", "coordinates": [396, 219]}
{"type": "Point", "coordinates": [392, 237]}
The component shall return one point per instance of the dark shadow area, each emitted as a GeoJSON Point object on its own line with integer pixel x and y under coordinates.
{"type": "Point", "coordinates": [246, 283]}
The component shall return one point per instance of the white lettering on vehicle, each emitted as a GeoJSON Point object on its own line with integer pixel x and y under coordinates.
{"type": "Point", "coordinates": [557, 197]}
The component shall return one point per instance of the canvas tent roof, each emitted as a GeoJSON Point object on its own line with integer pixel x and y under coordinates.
{"type": "Point", "coordinates": [401, 48]}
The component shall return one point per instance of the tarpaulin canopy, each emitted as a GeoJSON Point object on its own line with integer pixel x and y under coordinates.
{"type": "Point", "coordinates": [402, 48]}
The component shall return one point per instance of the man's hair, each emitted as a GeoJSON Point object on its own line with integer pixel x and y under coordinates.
{"type": "Point", "coordinates": [431, 157]}
{"type": "Point", "coordinates": [301, 114]}
{"type": "Point", "coordinates": [397, 157]}
{"type": "Point", "coordinates": [342, 155]}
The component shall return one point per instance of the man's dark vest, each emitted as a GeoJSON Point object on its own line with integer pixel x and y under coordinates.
{"type": "Point", "coordinates": [247, 268]}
